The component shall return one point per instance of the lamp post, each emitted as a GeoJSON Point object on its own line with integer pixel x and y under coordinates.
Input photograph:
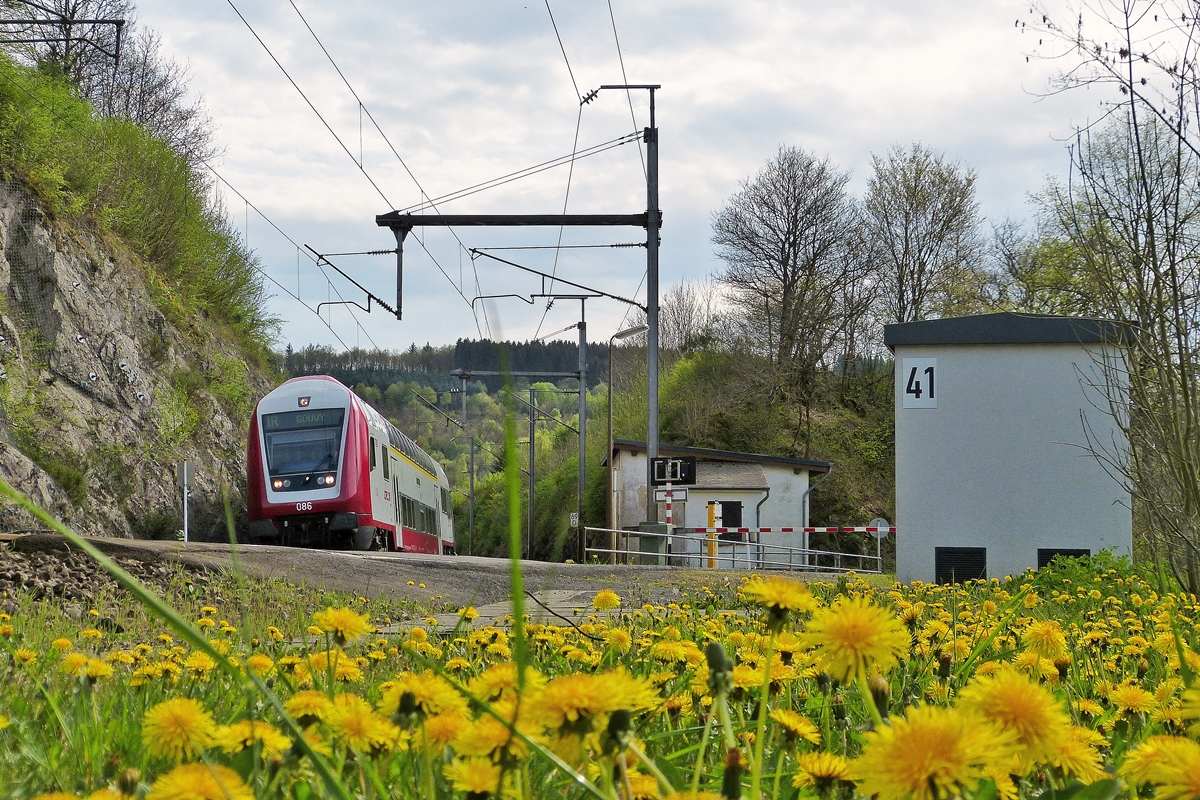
{"type": "Point", "coordinates": [625, 334]}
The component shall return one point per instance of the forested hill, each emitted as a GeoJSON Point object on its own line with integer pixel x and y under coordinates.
{"type": "Point", "coordinates": [431, 366]}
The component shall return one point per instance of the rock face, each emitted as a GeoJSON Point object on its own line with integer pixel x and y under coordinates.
{"type": "Point", "coordinates": [101, 395]}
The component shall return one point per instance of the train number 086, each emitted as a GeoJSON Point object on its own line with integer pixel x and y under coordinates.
{"type": "Point", "coordinates": [304, 506]}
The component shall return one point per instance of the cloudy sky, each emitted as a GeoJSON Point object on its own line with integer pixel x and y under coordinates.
{"type": "Point", "coordinates": [469, 91]}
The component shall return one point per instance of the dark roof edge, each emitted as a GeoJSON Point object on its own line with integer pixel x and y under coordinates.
{"type": "Point", "coordinates": [726, 455]}
{"type": "Point", "coordinates": [1007, 327]}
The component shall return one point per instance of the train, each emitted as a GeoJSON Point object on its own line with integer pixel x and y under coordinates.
{"type": "Point", "coordinates": [324, 469]}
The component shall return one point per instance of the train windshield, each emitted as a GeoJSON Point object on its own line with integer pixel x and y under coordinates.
{"type": "Point", "coordinates": [303, 441]}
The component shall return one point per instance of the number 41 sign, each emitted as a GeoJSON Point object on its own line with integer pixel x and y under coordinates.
{"type": "Point", "coordinates": [919, 382]}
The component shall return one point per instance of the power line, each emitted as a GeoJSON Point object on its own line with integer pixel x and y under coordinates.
{"type": "Point", "coordinates": [221, 178]}
{"type": "Point", "coordinates": [570, 71]}
{"type": "Point", "coordinates": [363, 108]}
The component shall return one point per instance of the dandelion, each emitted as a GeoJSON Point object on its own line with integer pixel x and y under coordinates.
{"type": "Point", "coordinates": [469, 613]}
{"type": "Point", "coordinates": [345, 668]}
{"type": "Point", "coordinates": [243, 735]}
{"type": "Point", "coordinates": [24, 655]}
{"type": "Point", "coordinates": [570, 704]}
{"type": "Point", "coordinates": [821, 771]}
{"type": "Point", "coordinates": [261, 665]}
{"type": "Point", "coordinates": [176, 728]}
{"type": "Point", "coordinates": [353, 720]}
{"type": "Point", "coordinates": [308, 706]}
{"type": "Point", "coordinates": [1075, 754]}
{"type": "Point", "coordinates": [431, 695]}
{"type": "Point", "coordinates": [931, 753]}
{"type": "Point", "coordinates": [1131, 699]}
{"type": "Point", "coordinates": [478, 777]}
{"type": "Point", "coordinates": [779, 596]}
{"type": "Point", "coordinates": [73, 664]}
{"type": "Point", "coordinates": [95, 669]}
{"type": "Point", "coordinates": [274, 634]}
{"type": "Point", "coordinates": [1046, 638]}
{"type": "Point", "coordinates": [796, 726]}
{"type": "Point", "coordinates": [1170, 763]}
{"type": "Point", "coordinates": [853, 636]}
{"type": "Point", "coordinates": [440, 730]}
{"type": "Point", "coordinates": [91, 634]}
{"type": "Point", "coordinates": [606, 600]}
{"type": "Point", "coordinates": [200, 782]}
{"type": "Point", "coordinates": [1029, 711]}
{"type": "Point", "coordinates": [345, 625]}
{"type": "Point", "coordinates": [61, 645]}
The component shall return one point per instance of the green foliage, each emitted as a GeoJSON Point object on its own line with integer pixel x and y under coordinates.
{"type": "Point", "coordinates": [229, 385]}
{"type": "Point", "coordinates": [155, 525]}
{"type": "Point", "coordinates": [175, 417]}
{"type": "Point", "coordinates": [28, 413]}
{"type": "Point", "coordinates": [135, 188]}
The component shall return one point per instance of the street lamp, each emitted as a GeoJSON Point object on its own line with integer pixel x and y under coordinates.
{"type": "Point", "coordinates": [612, 537]}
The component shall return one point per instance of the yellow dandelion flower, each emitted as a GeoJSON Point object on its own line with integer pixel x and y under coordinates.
{"type": "Point", "coordinates": [200, 782]}
{"type": "Point", "coordinates": [206, 622]}
{"type": "Point", "coordinates": [95, 669]}
{"type": "Point", "coordinates": [1170, 763]}
{"type": "Point", "coordinates": [1189, 709]}
{"type": "Point", "coordinates": [1132, 699]}
{"type": "Point", "coordinates": [796, 726]}
{"type": "Point", "coordinates": [91, 634]}
{"type": "Point", "coordinates": [853, 636]}
{"type": "Point", "coordinates": [468, 613]}
{"type": "Point", "coordinates": [353, 720]}
{"type": "Point", "coordinates": [242, 735]}
{"type": "Point", "coordinates": [4, 722]}
{"type": "Point", "coordinates": [260, 664]}
{"type": "Point", "coordinates": [1011, 702]}
{"type": "Point", "coordinates": [177, 728]}
{"type": "Point", "coordinates": [779, 596]}
{"type": "Point", "coordinates": [200, 663]}
{"type": "Point", "coordinates": [1046, 638]}
{"type": "Point", "coordinates": [440, 730]}
{"type": "Point", "coordinates": [58, 796]}
{"type": "Point", "coordinates": [606, 600]}
{"type": "Point", "coordinates": [308, 706]}
{"type": "Point", "coordinates": [478, 777]}
{"type": "Point", "coordinates": [1076, 755]}
{"type": "Point", "coordinates": [571, 703]}
{"type": "Point", "coordinates": [61, 645]}
{"type": "Point", "coordinates": [24, 655]}
{"type": "Point", "coordinates": [73, 664]}
{"type": "Point", "coordinates": [821, 771]}
{"type": "Point", "coordinates": [643, 786]}
{"type": "Point", "coordinates": [345, 625]}
{"type": "Point", "coordinates": [274, 634]}
{"type": "Point", "coordinates": [344, 668]}
{"type": "Point", "coordinates": [618, 639]}
{"type": "Point", "coordinates": [431, 695]}
{"type": "Point", "coordinates": [933, 752]}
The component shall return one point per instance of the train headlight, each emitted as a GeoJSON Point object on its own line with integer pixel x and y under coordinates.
{"type": "Point", "coordinates": [277, 484]}
{"type": "Point", "coordinates": [329, 480]}
{"type": "Point", "coordinates": [287, 483]}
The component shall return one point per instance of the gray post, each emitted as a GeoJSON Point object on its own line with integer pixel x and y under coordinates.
{"type": "Point", "coordinates": [532, 441]}
{"type": "Point", "coordinates": [400, 234]}
{"type": "Point", "coordinates": [471, 507]}
{"type": "Point", "coordinates": [651, 135]}
{"type": "Point", "coordinates": [582, 426]}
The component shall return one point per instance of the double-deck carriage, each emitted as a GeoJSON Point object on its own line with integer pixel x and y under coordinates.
{"type": "Point", "coordinates": [324, 469]}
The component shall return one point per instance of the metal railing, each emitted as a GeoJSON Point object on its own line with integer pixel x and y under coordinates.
{"type": "Point", "coordinates": [709, 551]}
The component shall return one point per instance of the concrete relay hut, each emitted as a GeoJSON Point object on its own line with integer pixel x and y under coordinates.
{"type": "Point", "coordinates": [994, 415]}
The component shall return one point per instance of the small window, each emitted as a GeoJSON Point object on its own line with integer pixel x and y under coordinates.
{"type": "Point", "coordinates": [958, 564]}
{"type": "Point", "coordinates": [1047, 554]}
{"type": "Point", "coordinates": [372, 453]}
{"type": "Point", "coordinates": [731, 517]}
{"type": "Point", "coordinates": [386, 476]}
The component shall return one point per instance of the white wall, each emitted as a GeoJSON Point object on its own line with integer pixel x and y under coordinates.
{"type": "Point", "coordinates": [999, 464]}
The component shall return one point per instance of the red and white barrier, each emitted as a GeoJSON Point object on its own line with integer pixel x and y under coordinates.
{"type": "Point", "coordinates": [785, 530]}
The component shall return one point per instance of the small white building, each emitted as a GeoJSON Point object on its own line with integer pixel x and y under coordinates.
{"type": "Point", "coordinates": [755, 491]}
{"type": "Point", "coordinates": [996, 418]}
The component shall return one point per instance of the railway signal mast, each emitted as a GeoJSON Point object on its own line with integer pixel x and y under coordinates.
{"type": "Point", "coordinates": [402, 224]}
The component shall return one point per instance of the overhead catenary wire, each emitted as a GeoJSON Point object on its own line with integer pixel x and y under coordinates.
{"type": "Point", "coordinates": [4, 74]}
{"type": "Point", "coordinates": [363, 109]}
{"type": "Point", "coordinates": [625, 80]}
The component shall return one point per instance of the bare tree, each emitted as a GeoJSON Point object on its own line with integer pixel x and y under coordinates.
{"type": "Point", "coordinates": [785, 239]}
{"type": "Point", "coordinates": [922, 220]}
{"type": "Point", "coordinates": [687, 319]}
{"type": "Point", "coordinates": [1131, 214]}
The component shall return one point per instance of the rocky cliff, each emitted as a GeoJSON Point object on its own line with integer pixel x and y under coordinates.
{"type": "Point", "coordinates": [101, 393]}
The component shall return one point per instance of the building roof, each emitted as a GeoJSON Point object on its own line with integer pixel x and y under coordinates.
{"type": "Point", "coordinates": [1005, 327]}
{"type": "Point", "coordinates": [724, 455]}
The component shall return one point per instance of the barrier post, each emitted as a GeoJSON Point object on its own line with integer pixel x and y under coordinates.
{"type": "Point", "coordinates": [711, 535]}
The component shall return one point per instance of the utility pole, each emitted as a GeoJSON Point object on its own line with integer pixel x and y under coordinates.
{"type": "Point", "coordinates": [466, 376]}
{"type": "Point", "coordinates": [532, 479]}
{"type": "Point", "coordinates": [580, 534]}
{"type": "Point", "coordinates": [652, 223]}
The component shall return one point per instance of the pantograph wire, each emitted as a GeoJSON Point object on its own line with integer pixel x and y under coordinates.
{"type": "Point", "coordinates": [363, 109]}
{"type": "Point", "coordinates": [625, 80]}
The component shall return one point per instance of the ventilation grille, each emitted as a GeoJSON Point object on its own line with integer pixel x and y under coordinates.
{"type": "Point", "coordinates": [1047, 554]}
{"type": "Point", "coordinates": [957, 564]}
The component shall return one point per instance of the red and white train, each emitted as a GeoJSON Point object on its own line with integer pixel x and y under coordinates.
{"type": "Point", "coordinates": [324, 469]}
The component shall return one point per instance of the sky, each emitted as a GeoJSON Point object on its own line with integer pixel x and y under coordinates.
{"type": "Point", "coordinates": [469, 91]}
